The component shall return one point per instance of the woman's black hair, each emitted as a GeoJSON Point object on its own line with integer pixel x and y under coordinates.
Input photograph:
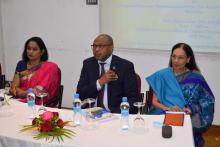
{"type": "Point", "coordinates": [189, 53]}
{"type": "Point", "coordinates": [41, 45]}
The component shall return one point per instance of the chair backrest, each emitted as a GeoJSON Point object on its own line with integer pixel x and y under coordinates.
{"type": "Point", "coordinates": [60, 96]}
{"type": "Point", "coordinates": [57, 99]}
{"type": "Point", "coordinates": [149, 98]}
{"type": "Point", "coordinates": [138, 84]}
{"type": "Point", "coordinates": [141, 95]}
{"type": "Point", "coordinates": [0, 69]}
{"type": "Point", "coordinates": [2, 78]}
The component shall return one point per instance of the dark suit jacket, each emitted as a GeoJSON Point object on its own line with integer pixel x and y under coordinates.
{"type": "Point", "coordinates": [125, 85]}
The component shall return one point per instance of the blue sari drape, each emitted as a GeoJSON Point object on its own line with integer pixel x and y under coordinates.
{"type": "Point", "coordinates": [188, 89]}
{"type": "Point", "coordinates": [164, 84]}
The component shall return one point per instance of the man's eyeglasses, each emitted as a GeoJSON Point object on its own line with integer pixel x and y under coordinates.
{"type": "Point", "coordinates": [94, 46]}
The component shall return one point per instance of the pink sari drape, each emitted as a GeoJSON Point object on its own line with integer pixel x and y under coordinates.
{"type": "Point", "coordinates": [46, 76]}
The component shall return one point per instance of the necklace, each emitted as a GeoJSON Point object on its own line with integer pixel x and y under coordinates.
{"type": "Point", "coordinates": [33, 67]}
{"type": "Point", "coordinates": [182, 72]}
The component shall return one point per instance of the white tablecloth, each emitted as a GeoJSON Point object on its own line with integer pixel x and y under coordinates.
{"type": "Point", "coordinates": [107, 133]}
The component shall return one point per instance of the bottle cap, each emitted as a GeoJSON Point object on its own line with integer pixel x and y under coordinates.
{"type": "Point", "coordinates": [124, 99]}
{"type": "Point", "coordinates": [76, 95]}
{"type": "Point", "coordinates": [30, 90]}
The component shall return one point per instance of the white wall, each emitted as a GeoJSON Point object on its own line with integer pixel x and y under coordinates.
{"type": "Point", "coordinates": [1, 41]}
{"type": "Point", "coordinates": [68, 28]}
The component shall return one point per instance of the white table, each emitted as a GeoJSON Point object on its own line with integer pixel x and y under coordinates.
{"type": "Point", "coordinates": [107, 134]}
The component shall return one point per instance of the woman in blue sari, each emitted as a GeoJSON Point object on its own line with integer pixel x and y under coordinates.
{"type": "Point", "coordinates": [181, 87]}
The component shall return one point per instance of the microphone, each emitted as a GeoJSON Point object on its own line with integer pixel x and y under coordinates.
{"type": "Point", "coordinates": [167, 131]}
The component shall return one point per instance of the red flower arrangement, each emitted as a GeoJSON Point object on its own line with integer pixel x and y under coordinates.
{"type": "Point", "coordinates": [49, 126]}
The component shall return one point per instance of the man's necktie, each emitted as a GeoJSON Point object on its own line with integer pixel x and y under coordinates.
{"type": "Point", "coordinates": [101, 92]}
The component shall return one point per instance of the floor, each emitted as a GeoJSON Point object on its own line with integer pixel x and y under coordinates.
{"type": "Point", "coordinates": [212, 136]}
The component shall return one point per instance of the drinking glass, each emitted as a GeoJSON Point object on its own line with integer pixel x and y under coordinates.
{"type": "Point", "coordinates": [7, 87]}
{"type": "Point", "coordinates": [41, 92]}
{"type": "Point", "coordinates": [5, 107]}
{"type": "Point", "coordinates": [139, 123]}
{"type": "Point", "coordinates": [90, 123]}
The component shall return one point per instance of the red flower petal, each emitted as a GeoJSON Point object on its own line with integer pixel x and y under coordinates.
{"type": "Point", "coordinates": [46, 127]}
{"type": "Point", "coordinates": [60, 123]}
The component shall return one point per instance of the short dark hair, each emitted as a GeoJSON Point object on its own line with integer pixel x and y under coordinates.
{"type": "Point", "coordinates": [41, 45]}
{"type": "Point", "coordinates": [110, 39]}
{"type": "Point", "coordinates": [189, 53]}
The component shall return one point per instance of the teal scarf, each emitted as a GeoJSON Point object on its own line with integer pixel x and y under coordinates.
{"type": "Point", "coordinates": [166, 88]}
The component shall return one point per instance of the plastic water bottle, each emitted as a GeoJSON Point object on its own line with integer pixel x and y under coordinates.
{"type": "Point", "coordinates": [124, 114]}
{"type": "Point", "coordinates": [77, 110]}
{"type": "Point", "coordinates": [31, 102]}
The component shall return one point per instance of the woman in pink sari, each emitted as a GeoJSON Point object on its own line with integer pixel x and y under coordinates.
{"type": "Point", "coordinates": [34, 71]}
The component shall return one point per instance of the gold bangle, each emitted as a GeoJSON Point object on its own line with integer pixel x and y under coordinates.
{"type": "Point", "coordinates": [18, 73]}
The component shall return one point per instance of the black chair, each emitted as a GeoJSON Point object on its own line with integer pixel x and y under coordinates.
{"type": "Point", "coordinates": [2, 79]}
{"type": "Point", "coordinates": [138, 84]}
{"type": "Point", "coordinates": [60, 96]}
{"type": "Point", "coordinates": [141, 95]}
{"type": "Point", "coordinates": [57, 99]}
{"type": "Point", "coordinates": [149, 98]}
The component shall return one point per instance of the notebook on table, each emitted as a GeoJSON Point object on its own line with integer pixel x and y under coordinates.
{"type": "Point", "coordinates": [174, 118]}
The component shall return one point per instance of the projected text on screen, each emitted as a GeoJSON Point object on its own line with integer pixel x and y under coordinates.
{"type": "Point", "coordinates": [159, 24]}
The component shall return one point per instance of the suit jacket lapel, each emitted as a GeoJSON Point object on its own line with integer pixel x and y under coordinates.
{"type": "Point", "coordinates": [114, 63]}
{"type": "Point", "coordinates": [114, 67]}
{"type": "Point", "coordinates": [95, 68]}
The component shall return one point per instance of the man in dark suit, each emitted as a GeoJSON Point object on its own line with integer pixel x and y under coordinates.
{"type": "Point", "coordinates": [117, 80]}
